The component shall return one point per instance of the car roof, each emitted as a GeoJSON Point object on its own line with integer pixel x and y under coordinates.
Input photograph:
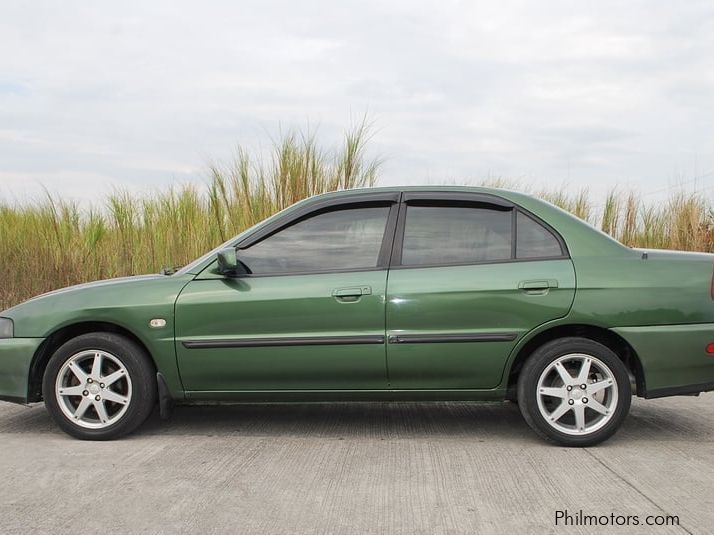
{"type": "Point", "coordinates": [424, 188]}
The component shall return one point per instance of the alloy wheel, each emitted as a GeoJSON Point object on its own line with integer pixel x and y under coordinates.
{"type": "Point", "coordinates": [577, 394]}
{"type": "Point", "coordinates": [93, 389]}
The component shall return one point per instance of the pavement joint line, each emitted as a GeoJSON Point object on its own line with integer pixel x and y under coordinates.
{"type": "Point", "coordinates": [633, 487]}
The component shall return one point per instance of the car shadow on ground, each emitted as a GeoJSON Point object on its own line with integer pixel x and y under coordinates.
{"type": "Point", "coordinates": [347, 420]}
{"type": "Point", "coordinates": [329, 420]}
{"type": "Point", "coordinates": [677, 418]}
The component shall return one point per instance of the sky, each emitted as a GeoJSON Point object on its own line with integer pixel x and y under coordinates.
{"type": "Point", "coordinates": [139, 95]}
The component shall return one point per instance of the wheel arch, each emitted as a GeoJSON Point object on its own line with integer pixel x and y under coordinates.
{"type": "Point", "coordinates": [64, 334]}
{"type": "Point", "coordinates": [610, 339]}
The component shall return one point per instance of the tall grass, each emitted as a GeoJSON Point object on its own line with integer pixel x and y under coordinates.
{"type": "Point", "coordinates": [53, 242]}
{"type": "Point", "coordinates": [684, 222]}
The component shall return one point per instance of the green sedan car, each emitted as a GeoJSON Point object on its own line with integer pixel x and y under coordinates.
{"type": "Point", "coordinates": [448, 293]}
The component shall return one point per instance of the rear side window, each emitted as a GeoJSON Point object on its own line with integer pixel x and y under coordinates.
{"type": "Point", "coordinates": [436, 235]}
{"type": "Point", "coordinates": [533, 240]}
{"type": "Point", "coordinates": [338, 240]}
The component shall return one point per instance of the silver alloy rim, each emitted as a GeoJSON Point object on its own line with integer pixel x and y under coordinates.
{"type": "Point", "coordinates": [93, 389]}
{"type": "Point", "coordinates": [577, 394]}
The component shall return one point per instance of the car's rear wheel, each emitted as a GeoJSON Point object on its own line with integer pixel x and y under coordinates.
{"type": "Point", "coordinates": [99, 386]}
{"type": "Point", "coordinates": [574, 392]}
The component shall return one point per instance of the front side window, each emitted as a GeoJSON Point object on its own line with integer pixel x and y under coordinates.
{"type": "Point", "coordinates": [337, 240]}
{"type": "Point", "coordinates": [436, 235]}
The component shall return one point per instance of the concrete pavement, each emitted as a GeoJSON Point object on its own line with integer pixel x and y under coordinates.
{"type": "Point", "coordinates": [355, 468]}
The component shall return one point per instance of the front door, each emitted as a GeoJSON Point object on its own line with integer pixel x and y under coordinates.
{"type": "Point", "coordinates": [309, 316]}
{"type": "Point", "coordinates": [469, 278]}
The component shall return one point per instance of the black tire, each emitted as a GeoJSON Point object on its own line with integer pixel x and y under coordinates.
{"type": "Point", "coordinates": [138, 366]}
{"type": "Point", "coordinates": [540, 359]}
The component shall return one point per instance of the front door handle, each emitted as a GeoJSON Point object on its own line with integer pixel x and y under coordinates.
{"type": "Point", "coordinates": [351, 294]}
{"type": "Point", "coordinates": [538, 285]}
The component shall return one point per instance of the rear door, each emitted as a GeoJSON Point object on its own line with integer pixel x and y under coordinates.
{"type": "Point", "coordinates": [470, 275]}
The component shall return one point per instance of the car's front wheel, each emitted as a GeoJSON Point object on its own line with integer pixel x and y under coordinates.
{"type": "Point", "coordinates": [574, 392]}
{"type": "Point", "coordinates": [99, 386]}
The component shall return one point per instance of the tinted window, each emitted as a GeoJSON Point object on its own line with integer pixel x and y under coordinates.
{"type": "Point", "coordinates": [533, 240]}
{"type": "Point", "coordinates": [455, 235]}
{"type": "Point", "coordinates": [341, 239]}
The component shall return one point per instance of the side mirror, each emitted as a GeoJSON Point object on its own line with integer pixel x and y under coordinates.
{"type": "Point", "coordinates": [228, 263]}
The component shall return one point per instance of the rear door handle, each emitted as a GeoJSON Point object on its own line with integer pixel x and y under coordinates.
{"type": "Point", "coordinates": [351, 294]}
{"type": "Point", "coordinates": [537, 285]}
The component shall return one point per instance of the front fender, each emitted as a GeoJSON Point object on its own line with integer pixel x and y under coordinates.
{"type": "Point", "coordinates": [129, 304]}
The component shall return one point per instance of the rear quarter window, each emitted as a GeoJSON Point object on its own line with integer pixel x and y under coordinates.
{"type": "Point", "coordinates": [533, 240]}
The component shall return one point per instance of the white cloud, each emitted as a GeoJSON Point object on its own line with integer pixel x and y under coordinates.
{"type": "Point", "coordinates": [143, 94]}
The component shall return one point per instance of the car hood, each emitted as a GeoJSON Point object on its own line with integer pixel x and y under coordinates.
{"type": "Point", "coordinates": [128, 302]}
{"type": "Point", "coordinates": [87, 286]}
